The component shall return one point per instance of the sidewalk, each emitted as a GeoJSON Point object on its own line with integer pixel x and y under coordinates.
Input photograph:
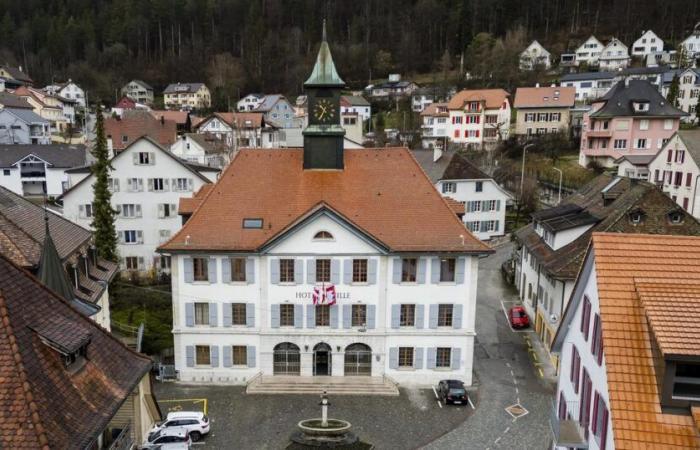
{"type": "Point", "coordinates": [541, 358]}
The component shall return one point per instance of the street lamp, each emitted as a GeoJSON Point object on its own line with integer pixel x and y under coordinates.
{"type": "Point", "coordinates": [561, 175]}
{"type": "Point", "coordinates": [522, 179]}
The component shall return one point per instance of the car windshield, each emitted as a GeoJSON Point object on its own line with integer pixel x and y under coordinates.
{"type": "Point", "coordinates": [519, 313]}
{"type": "Point", "coordinates": [154, 436]}
{"type": "Point", "coordinates": [457, 391]}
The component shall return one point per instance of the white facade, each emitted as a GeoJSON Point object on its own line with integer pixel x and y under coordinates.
{"type": "Point", "coordinates": [647, 43]}
{"type": "Point", "coordinates": [250, 102]}
{"type": "Point", "coordinates": [68, 90]}
{"type": "Point", "coordinates": [589, 88]}
{"type": "Point", "coordinates": [626, 169]}
{"type": "Point", "coordinates": [23, 126]}
{"type": "Point", "coordinates": [475, 124]}
{"type": "Point", "coordinates": [676, 173]}
{"type": "Point", "coordinates": [419, 101]}
{"type": "Point", "coordinates": [138, 91]}
{"type": "Point", "coordinates": [32, 176]}
{"type": "Point", "coordinates": [589, 52]}
{"type": "Point", "coordinates": [364, 111]}
{"type": "Point", "coordinates": [434, 130]}
{"type": "Point", "coordinates": [411, 348]}
{"type": "Point", "coordinates": [191, 150]}
{"type": "Point", "coordinates": [688, 93]}
{"type": "Point", "coordinates": [691, 45]}
{"type": "Point", "coordinates": [614, 56]}
{"type": "Point", "coordinates": [535, 56]}
{"type": "Point", "coordinates": [147, 184]}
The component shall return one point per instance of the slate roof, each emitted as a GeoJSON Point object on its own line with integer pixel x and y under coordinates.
{"type": "Point", "coordinates": [691, 139]}
{"type": "Point", "coordinates": [26, 115]}
{"type": "Point", "coordinates": [493, 98]}
{"type": "Point", "coordinates": [13, 101]}
{"type": "Point", "coordinates": [620, 98]}
{"type": "Point", "coordinates": [545, 97]}
{"type": "Point", "coordinates": [268, 102]}
{"type": "Point", "coordinates": [43, 405]}
{"type": "Point", "coordinates": [18, 74]}
{"type": "Point", "coordinates": [57, 155]}
{"type": "Point", "coordinates": [174, 88]}
{"type": "Point", "coordinates": [636, 160]}
{"type": "Point", "coordinates": [564, 217]}
{"type": "Point", "coordinates": [239, 119]}
{"type": "Point", "coordinates": [383, 192]}
{"type": "Point", "coordinates": [585, 76]}
{"type": "Point", "coordinates": [450, 166]}
{"type": "Point", "coordinates": [353, 100]}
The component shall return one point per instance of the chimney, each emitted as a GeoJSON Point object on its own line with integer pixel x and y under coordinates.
{"type": "Point", "coordinates": [162, 120]}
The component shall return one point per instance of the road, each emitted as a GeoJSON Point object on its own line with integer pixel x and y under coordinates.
{"type": "Point", "coordinates": [506, 375]}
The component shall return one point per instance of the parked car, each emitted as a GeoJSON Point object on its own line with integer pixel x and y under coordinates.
{"type": "Point", "coordinates": [452, 391]}
{"type": "Point", "coordinates": [518, 317]}
{"type": "Point", "coordinates": [195, 422]}
{"type": "Point", "coordinates": [160, 439]}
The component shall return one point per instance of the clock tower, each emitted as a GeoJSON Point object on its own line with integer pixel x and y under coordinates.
{"type": "Point", "coordinates": [323, 138]}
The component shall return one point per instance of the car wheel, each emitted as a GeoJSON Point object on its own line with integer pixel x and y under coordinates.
{"type": "Point", "coordinates": [195, 435]}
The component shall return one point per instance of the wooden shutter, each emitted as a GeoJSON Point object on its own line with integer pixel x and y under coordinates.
{"type": "Point", "coordinates": [189, 269]}
{"type": "Point", "coordinates": [150, 184]}
{"type": "Point", "coordinates": [139, 236]}
{"type": "Point", "coordinates": [371, 271]}
{"type": "Point", "coordinates": [226, 270]}
{"type": "Point", "coordinates": [298, 316]}
{"type": "Point", "coordinates": [214, 355]}
{"type": "Point", "coordinates": [250, 315]}
{"type": "Point", "coordinates": [250, 353]}
{"type": "Point", "coordinates": [212, 270]}
{"type": "Point", "coordinates": [371, 316]}
{"type": "Point", "coordinates": [274, 316]}
{"type": "Point", "coordinates": [396, 268]}
{"type": "Point", "coordinates": [432, 357]}
{"type": "Point", "coordinates": [298, 271]}
{"type": "Point", "coordinates": [226, 351]}
{"type": "Point", "coordinates": [457, 316]}
{"type": "Point", "coordinates": [420, 316]}
{"type": "Point", "coordinates": [138, 211]}
{"type": "Point", "coordinates": [213, 315]}
{"type": "Point", "coordinates": [420, 270]}
{"type": "Point", "coordinates": [459, 270]}
{"type": "Point", "coordinates": [226, 314]}
{"type": "Point", "coordinates": [394, 358]}
{"type": "Point", "coordinates": [433, 316]}
{"type": "Point", "coordinates": [310, 316]}
{"type": "Point", "coordinates": [418, 358]}
{"type": "Point", "coordinates": [456, 355]}
{"type": "Point", "coordinates": [347, 316]}
{"type": "Point", "coordinates": [334, 319]}
{"type": "Point", "coordinates": [395, 316]}
{"type": "Point", "coordinates": [347, 271]}
{"type": "Point", "coordinates": [310, 271]}
{"type": "Point", "coordinates": [435, 270]}
{"type": "Point", "coordinates": [250, 270]}
{"type": "Point", "coordinates": [189, 355]}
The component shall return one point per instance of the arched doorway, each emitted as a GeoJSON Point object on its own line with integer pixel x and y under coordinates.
{"type": "Point", "coordinates": [322, 359]}
{"type": "Point", "coordinates": [285, 359]}
{"type": "Point", "coordinates": [358, 360]}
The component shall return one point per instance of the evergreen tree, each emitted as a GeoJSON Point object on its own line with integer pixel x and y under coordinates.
{"type": "Point", "coordinates": [672, 95]}
{"type": "Point", "coordinates": [103, 214]}
{"type": "Point", "coordinates": [696, 119]}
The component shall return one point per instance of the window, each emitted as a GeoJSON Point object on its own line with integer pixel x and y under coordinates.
{"type": "Point", "coordinates": [238, 269]}
{"type": "Point", "coordinates": [239, 355]}
{"type": "Point", "coordinates": [445, 315]}
{"type": "Point", "coordinates": [6, 172]}
{"type": "Point", "coordinates": [447, 269]}
{"type": "Point", "coordinates": [129, 210]}
{"type": "Point", "coordinates": [479, 186]}
{"type": "Point", "coordinates": [359, 315]}
{"type": "Point", "coordinates": [323, 270]}
{"type": "Point", "coordinates": [201, 313]}
{"type": "Point", "coordinates": [238, 314]}
{"type": "Point", "coordinates": [620, 144]}
{"type": "Point", "coordinates": [86, 210]}
{"type": "Point", "coordinates": [182, 184]}
{"type": "Point", "coordinates": [323, 236]}
{"type": "Point", "coordinates": [163, 235]}
{"type": "Point", "coordinates": [202, 356]}
{"type": "Point", "coordinates": [323, 315]}
{"type": "Point", "coordinates": [253, 223]}
{"type": "Point", "coordinates": [131, 263]}
{"type": "Point", "coordinates": [130, 236]}
{"type": "Point", "coordinates": [359, 270]}
{"type": "Point", "coordinates": [409, 269]}
{"type": "Point", "coordinates": [286, 271]}
{"type": "Point", "coordinates": [685, 203]}
{"type": "Point", "coordinates": [449, 188]}
{"type": "Point", "coordinates": [680, 156]}
{"type": "Point", "coordinates": [688, 179]}
{"type": "Point", "coordinates": [542, 117]}
{"type": "Point", "coordinates": [125, 138]}
{"type": "Point", "coordinates": [200, 268]}
{"type": "Point", "coordinates": [686, 382]}
{"type": "Point", "coordinates": [675, 217]}
{"type": "Point", "coordinates": [443, 357]}
{"type": "Point", "coordinates": [529, 117]}
{"type": "Point", "coordinates": [599, 424]}
{"type": "Point", "coordinates": [678, 178]}
{"type": "Point", "coordinates": [408, 316]}
{"type": "Point", "coordinates": [134, 184]}
{"type": "Point", "coordinates": [167, 210]}
{"type": "Point", "coordinates": [405, 356]}
{"type": "Point", "coordinates": [144, 158]}
{"type": "Point", "coordinates": [286, 315]}
{"type": "Point", "coordinates": [157, 184]}
{"type": "Point", "coordinates": [668, 124]}
{"type": "Point", "coordinates": [597, 341]}
{"type": "Point", "coordinates": [641, 143]}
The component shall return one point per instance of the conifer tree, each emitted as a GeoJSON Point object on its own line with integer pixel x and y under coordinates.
{"type": "Point", "coordinates": [103, 213]}
{"type": "Point", "coordinates": [673, 91]}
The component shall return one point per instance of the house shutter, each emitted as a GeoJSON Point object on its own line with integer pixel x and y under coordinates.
{"type": "Point", "coordinates": [226, 270]}
{"type": "Point", "coordinates": [250, 315]}
{"type": "Point", "coordinates": [213, 315]}
{"type": "Point", "coordinates": [226, 314]}
{"type": "Point", "coordinates": [139, 236]}
{"type": "Point", "coordinates": [298, 316]}
{"type": "Point", "coordinates": [482, 226]}
{"type": "Point", "coordinates": [138, 211]}
{"type": "Point", "coordinates": [190, 184]}
{"type": "Point", "coordinates": [189, 314]}
{"type": "Point", "coordinates": [420, 275]}
{"type": "Point", "coordinates": [371, 271]}
{"type": "Point", "coordinates": [420, 316]}
{"type": "Point", "coordinates": [189, 355]}
{"type": "Point", "coordinates": [116, 184]}
{"type": "Point", "coordinates": [432, 357]}
{"type": "Point", "coordinates": [129, 184]}
{"type": "Point", "coordinates": [435, 270]}
{"type": "Point", "coordinates": [395, 316]}
{"type": "Point", "coordinates": [212, 270]}
{"type": "Point", "coordinates": [135, 157]}
{"type": "Point", "coordinates": [152, 158]}
{"type": "Point", "coordinates": [250, 270]}
{"type": "Point", "coordinates": [81, 211]}
{"type": "Point", "coordinates": [275, 271]}
{"type": "Point", "coordinates": [140, 184]}
{"type": "Point", "coordinates": [161, 211]}
{"type": "Point", "coordinates": [498, 205]}
{"type": "Point", "coordinates": [142, 262]}
{"type": "Point", "coordinates": [418, 358]}
{"type": "Point", "coordinates": [214, 355]}
{"type": "Point", "coordinates": [310, 316]}
{"type": "Point", "coordinates": [371, 317]}
{"type": "Point", "coordinates": [310, 271]}
{"type": "Point", "coordinates": [459, 270]}
{"type": "Point", "coordinates": [274, 316]}
{"type": "Point", "coordinates": [335, 271]}
{"type": "Point", "coordinates": [347, 316]}
{"type": "Point", "coordinates": [347, 271]}
{"type": "Point", "coordinates": [497, 225]}
{"type": "Point", "coordinates": [298, 271]}
{"type": "Point", "coordinates": [433, 316]}
{"type": "Point", "coordinates": [120, 236]}
{"type": "Point", "coordinates": [166, 184]}
{"type": "Point", "coordinates": [226, 350]}
{"type": "Point", "coordinates": [334, 316]}
{"type": "Point", "coordinates": [457, 316]}
{"type": "Point", "coordinates": [150, 185]}
{"type": "Point", "coordinates": [396, 267]}
{"type": "Point", "coordinates": [394, 358]}
{"type": "Point", "coordinates": [456, 358]}
{"type": "Point", "coordinates": [250, 353]}
{"type": "Point", "coordinates": [189, 270]}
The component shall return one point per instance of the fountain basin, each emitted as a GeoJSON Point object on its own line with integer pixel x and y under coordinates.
{"type": "Point", "coordinates": [336, 428]}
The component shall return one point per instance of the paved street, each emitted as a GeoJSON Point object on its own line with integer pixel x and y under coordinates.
{"type": "Point", "coordinates": [506, 374]}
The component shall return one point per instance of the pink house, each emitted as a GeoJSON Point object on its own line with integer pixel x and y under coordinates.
{"type": "Point", "coordinates": [633, 118]}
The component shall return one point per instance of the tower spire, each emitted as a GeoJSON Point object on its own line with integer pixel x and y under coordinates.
{"type": "Point", "coordinates": [324, 72]}
{"type": "Point", "coordinates": [323, 38]}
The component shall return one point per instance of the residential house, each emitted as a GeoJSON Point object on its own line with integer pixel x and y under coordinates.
{"type": "Point", "coordinates": [676, 169]}
{"type": "Point", "coordinates": [423, 97]}
{"type": "Point", "coordinates": [404, 268]}
{"type": "Point", "coordinates": [567, 60]}
{"type": "Point", "coordinates": [356, 104]}
{"type": "Point", "coordinates": [647, 43]}
{"type": "Point", "coordinates": [654, 75]}
{"type": "Point", "coordinates": [589, 52]}
{"type": "Point", "coordinates": [690, 47]}
{"type": "Point", "coordinates": [127, 104]}
{"type": "Point", "coordinates": [67, 382]}
{"type": "Point", "coordinates": [146, 182]}
{"type": "Point", "coordinates": [122, 131]}
{"type": "Point", "coordinates": [634, 166]}
{"type": "Point", "coordinates": [632, 118]}
{"type": "Point", "coordinates": [589, 85]}
{"type": "Point", "coordinates": [614, 56]}
{"type": "Point", "coordinates": [15, 77]}
{"type": "Point", "coordinates": [278, 110]}
{"type": "Point", "coordinates": [483, 202]}
{"type": "Point", "coordinates": [39, 170]}
{"type": "Point", "coordinates": [434, 126]}
{"type": "Point", "coordinates": [250, 102]}
{"type": "Point", "coordinates": [23, 126]}
{"type": "Point", "coordinates": [629, 346]}
{"type": "Point", "coordinates": [534, 56]}
{"type": "Point", "coordinates": [688, 91]}
{"type": "Point", "coordinates": [68, 90]}
{"type": "Point", "coordinates": [479, 117]}
{"type": "Point", "coordinates": [392, 88]}
{"type": "Point", "coordinates": [204, 149]}
{"type": "Point", "coordinates": [543, 110]}
{"type": "Point", "coordinates": [553, 245]}
{"type": "Point", "coordinates": [139, 91]}
{"type": "Point", "coordinates": [664, 58]}
{"type": "Point", "coordinates": [187, 96]}
{"type": "Point", "coordinates": [236, 130]}
{"type": "Point", "coordinates": [352, 124]}
{"type": "Point", "coordinates": [45, 105]}
{"type": "Point", "coordinates": [183, 119]}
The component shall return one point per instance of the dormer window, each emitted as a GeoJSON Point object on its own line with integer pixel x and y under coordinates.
{"type": "Point", "coordinates": [75, 360]}
{"type": "Point", "coordinates": [675, 217]}
{"type": "Point", "coordinates": [323, 236]}
{"type": "Point", "coordinates": [636, 217]}
{"type": "Point", "coordinates": [641, 106]}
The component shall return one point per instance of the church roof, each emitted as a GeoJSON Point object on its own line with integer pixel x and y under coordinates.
{"type": "Point", "coordinates": [324, 73]}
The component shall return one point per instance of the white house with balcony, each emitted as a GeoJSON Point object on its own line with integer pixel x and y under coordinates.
{"type": "Point", "coordinates": [434, 125]}
{"type": "Point", "coordinates": [614, 56]}
{"type": "Point", "coordinates": [647, 44]}
{"type": "Point", "coordinates": [589, 52]}
{"type": "Point", "coordinates": [479, 117]}
{"type": "Point", "coordinates": [535, 55]}
{"type": "Point", "coordinates": [23, 126]}
{"type": "Point", "coordinates": [68, 90]}
{"type": "Point", "coordinates": [147, 182]}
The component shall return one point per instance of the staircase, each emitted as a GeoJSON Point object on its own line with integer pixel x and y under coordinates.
{"type": "Point", "coordinates": [268, 384]}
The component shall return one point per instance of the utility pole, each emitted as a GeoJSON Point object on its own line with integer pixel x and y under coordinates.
{"type": "Point", "coordinates": [561, 176]}
{"type": "Point", "coordinates": [522, 179]}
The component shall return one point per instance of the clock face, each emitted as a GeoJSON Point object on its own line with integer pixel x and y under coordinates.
{"type": "Point", "coordinates": [324, 111]}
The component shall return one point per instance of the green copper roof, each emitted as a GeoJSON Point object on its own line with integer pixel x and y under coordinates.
{"type": "Point", "coordinates": [324, 73]}
{"type": "Point", "coordinates": [51, 271]}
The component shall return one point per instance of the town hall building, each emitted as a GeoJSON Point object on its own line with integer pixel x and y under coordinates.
{"type": "Point", "coordinates": [323, 261]}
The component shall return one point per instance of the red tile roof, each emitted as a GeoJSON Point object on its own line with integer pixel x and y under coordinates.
{"type": "Point", "coordinates": [493, 98]}
{"type": "Point", "coordinates": [545, 97]}
{"type": "Point", "coordinates": [436, 110]}
{"type": "Point", "coordinates": [135, 124]}
{"type": "Point", "coordinates": [189, 204]}
{"type": "Point", "coordinates": [179, 117]}
{"type": "Point", "coordinates": [382, 191]}
{"type": "Point", "coordinates": [239, 119]}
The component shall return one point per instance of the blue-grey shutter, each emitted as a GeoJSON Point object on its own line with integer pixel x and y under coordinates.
{"type": "Point", "coordinates": [395, 316]}
{"type": "Point", "coordinates": [420, 320]}
{"type": "Point", "coordinates": [418, 358]}
{"type": "Point", "coordinates": [347, 271]}
{"type": "Point", "coordinates": [394, 358]}
{"type": "Point", "coordinates": [226, 314]}
{"type": "Point", "coordinates": [432, 357]}
{"type": "Point", "coordinates": [189, 314]}
{"type": "Point", "coordinates": [298, 271]}
{"type": "Point", "coordinates": [496, 226]}
{"type": "Point", "coordinates": [214, 355]}
{"type": "Point", "coordinates": [435, 270]}
{"type": "Point", "coordinates": [226, 350]}
{"type": "Point", "coordinates": [298, 316]}
{"type": "Point", "coordinates": [275, 316]}
{"type": "Point", "coordinates": [468, 207]}
{"type": "Point", "coordinates": [310, 316]}
{"type": "Point", "coordinates": [310, 271]}
{"type": "Point", "coordinates": [420, 275]}
{"type": "Point", "coordinates": [457, 316]}
{"type": "Point", "coordinates": [213, 315]}
{"type": "Point", "coordinates": [250, 315]}
{"type": "Point", "coordinates": [189, 355]}
{"type": "Point", "coordinates": [456, 358]}
{"type": "Point", "coordinates": [334, 316]}
{"type": "Point", "coordinates": [459, 270]}
{"type": "Point", "coordinates": [250, 270]}
{"type": "Point", "coordinates": [189, 270]}
{"type": "Point", "coordinates": [347, 316]}
{"type": "Point", "coordinates": [433, 316]}
{"type": "Point", "coordinates": [226, 270]}
{"type": "Point", "coordinates": [482, 226]}
{"type": "Point", "coordinates": [498, 205]}
{"type": "Point", "coordinates": [212, 270]}
{"type": "Point", "coordinates": [396, 267]}
{"type": "Point", "coordinates": [372, 271]}
{"type": "Point", "coordinates": [371, 316]}
{"type": "Point", "coordinates": [275, 271]}
{"type": "Point", "coordinates": [250, 353]}
{"type": "Point", "coordinates": [335, 271]}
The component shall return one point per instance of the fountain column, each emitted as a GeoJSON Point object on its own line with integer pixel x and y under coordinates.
{"type": "Point", "coordinates": [324, 409]}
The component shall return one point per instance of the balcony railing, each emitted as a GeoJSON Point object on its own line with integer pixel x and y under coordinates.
{"type": "Point", "coordinates": [123, 441]}
{"type": "Point", "coordinates": [599, 133]}
{"type": "Point", "coordinates": [568, 432]}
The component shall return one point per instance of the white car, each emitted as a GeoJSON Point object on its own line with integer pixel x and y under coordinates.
{"type": "Point", "coordinates": [173, 438]}
{"type": "Point", "coordinates": [195, 422]}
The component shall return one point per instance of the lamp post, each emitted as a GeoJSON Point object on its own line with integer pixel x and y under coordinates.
{"type": "Point", "coordinates": [561, 176]}
{"type": "Point", "coordinates": [522, 180]}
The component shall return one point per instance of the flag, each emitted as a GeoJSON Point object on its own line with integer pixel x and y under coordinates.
{"type": "Point", "coordinates": [324, 295]}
